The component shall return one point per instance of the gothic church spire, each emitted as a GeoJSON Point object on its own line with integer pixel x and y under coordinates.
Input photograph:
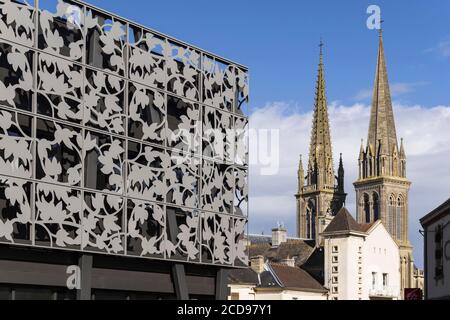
{"type": "Point", "coordinates": [320, 152]}
{"type": "Point", "coordinates": [382, 137]}
{"type": "Point", "coordinates": [322, 194]}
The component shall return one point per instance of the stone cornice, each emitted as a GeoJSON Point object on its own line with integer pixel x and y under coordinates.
{"type": "Point", "coordinates": [382, 180]}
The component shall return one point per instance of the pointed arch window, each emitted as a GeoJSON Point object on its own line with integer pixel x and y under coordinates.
{"type": "Point", "coordinates": [311, 220]}
{"type": "Point", "coordinates": [376, 206]}
{"type": "Point", "coordinates": [366, 207]}
{"type": "Point", "coordinates": [399, 217]}
{"type": "Point", "coordinates": [391, 215]}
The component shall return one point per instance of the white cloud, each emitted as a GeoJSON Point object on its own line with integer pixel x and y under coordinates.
{"type": "Point", "coordinates": [442, 48]}
{"type": "Point", "coordinates": [397, 89]}
{"type": "Point", "coordinates": [427, 142]}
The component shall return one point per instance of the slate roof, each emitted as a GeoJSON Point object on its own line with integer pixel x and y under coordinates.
{"type": "Point", "coordinates": [243, 276]}
{"type": "Point", "coordinates": [293, 277]}
{"type": "Point", "coordinates": [301, 249]}
{"type": "Point", "coordinates": [344, 221]}
{"type": "Point", "coordinates": [276, 276]}
{"type": "Point", "coordinates": [315, 265]}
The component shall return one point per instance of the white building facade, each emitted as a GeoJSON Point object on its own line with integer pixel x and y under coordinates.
{"type": "Point", "coordinates": [362, 262]}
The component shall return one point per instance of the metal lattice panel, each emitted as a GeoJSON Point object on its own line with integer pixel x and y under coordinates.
{"type": "Point", "coordinates": [112, 135]}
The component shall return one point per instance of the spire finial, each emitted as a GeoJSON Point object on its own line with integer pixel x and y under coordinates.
{"type": "Point", "coordinates": [321, 49]}
{"type": "Point", "coordinates": [381, 27]}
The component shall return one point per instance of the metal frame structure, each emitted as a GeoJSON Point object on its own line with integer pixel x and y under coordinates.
{"type": "Point", "coordinates": [116, 139]}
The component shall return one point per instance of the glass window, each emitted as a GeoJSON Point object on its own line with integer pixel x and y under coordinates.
{"type": "Point", "coordinates": [376, 207]}
{"type": "Point", "coordinates": [374, 280]}
{"type": "Point", "coordinates": [5, 293]}
{"type": "Point", "coordinates": [367, 207]}
{"type": "Point", "coordinates": [33, 293]}
{"type": "Point", "coordinates": [385, 280]}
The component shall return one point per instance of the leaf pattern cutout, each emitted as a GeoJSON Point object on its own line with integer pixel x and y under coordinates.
{"type": "Point", "coordinates": [58, 216]}
{"type": "Point", "coordinates": [17, 22]}
{"type": "Point", "coordinates": [241, 192]}
{"type": "Point", "coordinates": [217, 187]}
{"type": "Point", "coordinates": [59, 153]}
{"type": "Point", "coordinates": [59, 88]}
{"type": "Point", "coordinates": [147, 114]}
{"type": "Point", "coordinates": [102, 223]}
{"type": "Point", "coordinates": [146, 228]}
{"type": "Point", "coordinates": [105, 42]}
{"type": "Point", "coordinates": [219, 82]}
{"type": "Point", "coordinates": [185, 245]}
{"type": "Point", "coordinates": [15, 214]}
{"type": "Point", "coordinates": [61, 32]}
{"type": "Point", "coordinates": [16, 143]}
{"type": "Point", "coordinates": [241, 142]}
{"type": "Point", "coordinates": [16, 78]}
{"type": "Point", "coordinates": [146, 172]}
{"type": "Point", "coordinates": [218, 135]}
{"type": "Point", "coordinates": [104, 101]}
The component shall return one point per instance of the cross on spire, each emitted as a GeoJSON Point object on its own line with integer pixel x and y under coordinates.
{"type": "Point", "coordinates": [381, 26]}
{"type": "Point", "coordinates": [321, 44]}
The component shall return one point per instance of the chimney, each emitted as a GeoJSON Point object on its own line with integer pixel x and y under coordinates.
{"type": "Point", "coordinates": [279, 236]}
{"type": "Point", "coordinates": [257, 264]}
{"type": "Point", "coordinates": [290, 262]}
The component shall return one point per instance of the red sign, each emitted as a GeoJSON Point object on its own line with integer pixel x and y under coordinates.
{"type": "Point", "coordinates": [413, 294]}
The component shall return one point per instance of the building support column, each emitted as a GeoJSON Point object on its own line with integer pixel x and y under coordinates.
{"type": "Point", "coordinates": [179, 282]}
{"type": "Point", "coordinates": [178, 272]}
{"type": "Point", "coordinates": [85, 265]}
{"type": "Point", "coordinates": [222, 284]}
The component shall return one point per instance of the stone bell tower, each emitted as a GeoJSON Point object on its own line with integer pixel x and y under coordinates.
{"type": "Point", "coordinates": [382, 187]}
{"type": "Point", "coordinates": [320, 193]}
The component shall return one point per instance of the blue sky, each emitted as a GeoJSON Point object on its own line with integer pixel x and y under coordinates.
{"type": "Point", "coordinates": [278, 41]}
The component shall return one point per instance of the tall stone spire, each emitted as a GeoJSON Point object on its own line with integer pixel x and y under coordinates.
{"type": "Point", "coordinates": [382, 187]}
{"type": "Point", "coordinates": [340, 176]}
{"type": "Point", "coordinates": [322, 195]}
{"type": "Point", "coordinates": [301, 174]}
{"type": "Point", "coordinates": [382, 136]}
{"type": "Point", "coordinates": [320, 153]}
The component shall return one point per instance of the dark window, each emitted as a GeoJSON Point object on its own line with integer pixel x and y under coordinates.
{"type": "Point", "coordinates": [376, 207]}
{"type": "Point", "coordinates": [439, 263]}
{"type": "Point", "coordinates": [33, 293]}
{"type": "Point", "coordinates": [367, 207]}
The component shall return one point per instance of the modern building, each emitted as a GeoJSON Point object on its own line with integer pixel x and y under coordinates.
{"type": "Point", "coordinates": [123, 159]}
{"type": "Point", "coordinates": [382, 187]}
{"type": "Point", "coordinates": [362, 261]}
{"type": "Point", "coordinates": [436, 226]}
{"type": "Point", "coordinates": [320, 192]}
